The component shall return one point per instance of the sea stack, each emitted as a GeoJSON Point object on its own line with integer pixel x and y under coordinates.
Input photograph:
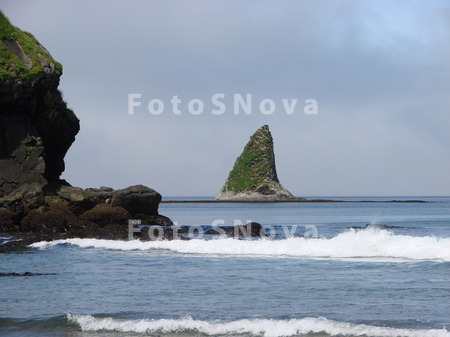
{"type": "Point", "coordinates": [254, 174]}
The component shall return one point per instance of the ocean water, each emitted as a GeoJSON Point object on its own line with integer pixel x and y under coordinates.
{"type": "Point", "coordinates": [322, 273]}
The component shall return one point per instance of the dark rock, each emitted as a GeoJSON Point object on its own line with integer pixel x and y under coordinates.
{"type": "Point", "coordinates": [156, 233]}
{"type": "Point", "coordinates": [16, 274]}
{"type": "Point", "coordinates": [48, 220]}
{"type": "Point", "coordinates": [155, 220]}
{"type": "Point", "coordinates": [376, 226]}
{"type": "Point", "coordinates": [251, 229]}
{"type": "Point", "coordinates": [104, 214]}
{"type": "Point", "coordinates": [24, 198]}
{"type": "Point", "coordinates": [36, 127]}
{"type": "Point", "coordinates": [255, 229]}
{"type": "Point", "coordinates": [26, 274]}
{"type": "Point", "coordinates": [137, 199]}
{"type": "Point", "coordinates": [7, 220]}
{"type": "Point", "coordinates": [23, 240]}
{"type": "Point", "coordinates": [80, 200]}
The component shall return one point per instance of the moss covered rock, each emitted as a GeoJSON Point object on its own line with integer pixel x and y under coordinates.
{"type": "Point", "coordinates": [105, 214]}
{"type": "Point", "coordinates": [36, 127]}
{"type": "Point", "coordinates": [254, 175]}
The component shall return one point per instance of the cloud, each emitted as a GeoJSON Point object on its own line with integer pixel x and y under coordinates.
{"type": "Point", "coordinates": [378, 70]}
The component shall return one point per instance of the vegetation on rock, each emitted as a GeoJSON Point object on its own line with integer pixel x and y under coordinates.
{"type": "Point", "coordinates": [254, 174]}
{"type": "Point", "coordinates": [255, 165]}
{"type": "Point", "coordinates": [21, 55]}
{"type": "Point", "coordinates": [36, 127]}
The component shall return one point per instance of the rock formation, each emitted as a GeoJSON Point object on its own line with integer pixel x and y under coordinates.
{"type": "Point", "coordinates": [254, 175]}
{"type": "Point", "coordinates": [36, 130]}
{"type": "Point", "coordinates": [36, 127]}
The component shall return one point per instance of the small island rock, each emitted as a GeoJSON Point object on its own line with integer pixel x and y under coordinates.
{"type": "Point", "coordinates": [254, 175]}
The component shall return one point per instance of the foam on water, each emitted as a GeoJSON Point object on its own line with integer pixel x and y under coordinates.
{"type": "Point", "coordinates": [368, 245]}
{"type": "Point", "coordinates": [254, 327]}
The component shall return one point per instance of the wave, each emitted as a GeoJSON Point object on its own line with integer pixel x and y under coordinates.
{"type": "Point", "coordinates": [247, 327]}
{"type": "Point", "coordinates": [5, 239]}
{"type": "Point", "coordinates": [367, 245]}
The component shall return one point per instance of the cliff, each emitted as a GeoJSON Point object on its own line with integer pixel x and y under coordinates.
{"type": "Point", "coordinates": [254, 175]}
{"type": "Point", "coordinates": [36, 130]}
{"type": "Point", "coordinates": [36, 127]}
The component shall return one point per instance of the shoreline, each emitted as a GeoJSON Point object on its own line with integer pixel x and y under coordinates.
{"type": "Point", "coordinates": [208, 201]}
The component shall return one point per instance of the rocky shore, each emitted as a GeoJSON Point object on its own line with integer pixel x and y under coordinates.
{"type": "Point", "coordinates": [52, 212]}
{"type": "Point", "coordinates": [36, 131]}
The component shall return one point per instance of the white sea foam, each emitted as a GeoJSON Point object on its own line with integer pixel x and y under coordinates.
{"type": "Point", "coordinates": [253, 327]}
{"type": "Point", "coordinates": [368, 245]}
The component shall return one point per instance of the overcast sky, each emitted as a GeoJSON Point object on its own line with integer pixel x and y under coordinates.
{"type": "Point", "coordinates": [379, 71]}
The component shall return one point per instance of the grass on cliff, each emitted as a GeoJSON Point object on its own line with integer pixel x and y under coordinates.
{"type": "Point", "coordinates": [253, 166]}
{"type": "Point", "coordinates": [11, 65]}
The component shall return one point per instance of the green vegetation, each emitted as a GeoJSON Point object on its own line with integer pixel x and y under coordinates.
{"type": "Point", "coordinates": [255, 166]}
{"type": "Point", "coordinates": [21, 54]}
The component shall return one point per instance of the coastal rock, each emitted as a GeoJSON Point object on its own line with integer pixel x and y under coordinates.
{"type": "Point", "coordinates": [54, 216]}
{"type": "Point", "coordinates": [254, 175]}
{"type": "Point", "coordinates": [7, 220]}
{"type": "Point", "coordinates": [77, 212]}
{"type": "Point", "coordinates": [47, 221]}
{"type": "Point", "coordinates": [25, 274]}
{"type": "Point", "coordinates": [155, 220]}
{"type": "Point", "coordinates": [36, 130]}
{"type": "Point", "coordinates": [137, 199]}
{"type": "Point", "coordinates": [80, 200]}
{"type": "Point", "coordinates": [157, 233]}
{"type": "Point", "coordinates": [251, 229]}
{"type": "Point", "coordinates": [104, 214]}
{"type": "Point", "coordinates": [36, 127]}
{"type": "Point", "coordinates": [24, 198]}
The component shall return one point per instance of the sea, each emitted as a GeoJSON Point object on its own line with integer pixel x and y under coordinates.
{"type": "Point", "coordinates": [362, 267]}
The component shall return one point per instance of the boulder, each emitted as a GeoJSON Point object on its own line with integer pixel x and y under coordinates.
{"type": "Point", "coordinates": [54, 217]}
{"type": "Point", "coordinates": [155, 220]}
{"type": "Point", "coordinates": [80, 200]}
{"type": "Point", "coordinates": [24, 198]}
{"type": "Point", "coordinates": [251, 229]}
{"type": "Point", "coordinates": [105, 214]}
{"type": "Point", "coordinates": [137, 199]}
{"type": "Point", "coordinates": [7, 220]}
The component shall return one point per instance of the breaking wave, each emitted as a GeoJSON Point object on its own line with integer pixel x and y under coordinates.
{"type": "Point", "coordinates": [246, 327]}
{"type": "Point", "coordinates": [368, 245]}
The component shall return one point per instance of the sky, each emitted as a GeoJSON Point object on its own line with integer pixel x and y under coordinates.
{"type": "Point", "coordinates": [378, 70]}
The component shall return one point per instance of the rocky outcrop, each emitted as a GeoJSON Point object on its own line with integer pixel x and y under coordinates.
{"type": "Point", "coordinates": [36, 127]}
{"type": "Point", "coordinates": [58, 208]}
{"type": "Point", "coordinates": [254, 175]}
{"type": "Point", "coordinates": [137, 200]}
{"type": "Point", "coordinates": [36, 130]}
{"type": "Point", "coordinates": [61, 211]}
